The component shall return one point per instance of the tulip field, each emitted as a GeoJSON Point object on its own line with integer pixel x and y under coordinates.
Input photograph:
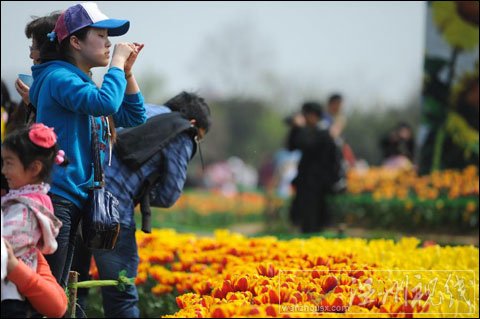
{"type": "Point", "coordinates": [230, 275]}
{"type": "Point", "coordinates": [224, 274]}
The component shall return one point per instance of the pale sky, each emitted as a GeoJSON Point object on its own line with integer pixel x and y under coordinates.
{"type": "Point", "coordinates": [372, 52]}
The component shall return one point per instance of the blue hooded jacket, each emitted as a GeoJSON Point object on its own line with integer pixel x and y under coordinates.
{"type": "Point", "coordinates": [125, 184]}
{"type": "Point", "coordinates": [65, 97]}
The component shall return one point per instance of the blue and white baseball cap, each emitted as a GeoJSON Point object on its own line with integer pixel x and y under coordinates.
{"type": "Point", "coordinates": [87, 15]}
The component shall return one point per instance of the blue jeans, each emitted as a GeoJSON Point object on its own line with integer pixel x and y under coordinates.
{"type": "Point", "coordinates": [116, 303]}
{"type": "Point", "coordinates": [61, 260]}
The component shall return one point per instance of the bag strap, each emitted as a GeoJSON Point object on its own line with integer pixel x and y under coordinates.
{"type": "Point", "coordinates": [98, 176]}
{"type": "Point", "coordinates": [144, 199]}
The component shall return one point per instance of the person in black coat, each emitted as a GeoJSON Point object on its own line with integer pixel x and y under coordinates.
{"type": "Point", "coordinates": [316, 170]}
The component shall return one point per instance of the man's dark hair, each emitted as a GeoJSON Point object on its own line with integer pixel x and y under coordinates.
{"type": "Point", "coordinates": [334, 97]}
{"type": "Point", "coordinates": [403, 124]}
{"type": "Point", "coordinates": [40, 26]}
{"type": "Point", "coordinates": [191, 106]}
{"type": "Point", "coordinates": [312, 107]}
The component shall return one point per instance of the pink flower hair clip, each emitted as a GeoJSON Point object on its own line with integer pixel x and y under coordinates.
{"type": "Point", "coordinates": [60, 157]}
{"type": "Point", "coordinates": [42, 135]}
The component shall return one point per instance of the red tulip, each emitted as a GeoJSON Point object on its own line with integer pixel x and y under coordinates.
{"type": "Point", "coordinates": [329, 283]}
{"type": "Point", "coordinates": [270, 310]}
{"type": "Point", "coordinates": [180, 303]}
{"type": "Point", "coordinates": [218, 313]}
{"type": "Point", "coordinates": [241, 284]}
{"type": "Point", "coordinates": [254, 311]}
{"type": "Point", "coordinates": [273, 296]}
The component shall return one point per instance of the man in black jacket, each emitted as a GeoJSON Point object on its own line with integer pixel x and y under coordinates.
{"type": "Point", "coordinates": [316, 170]}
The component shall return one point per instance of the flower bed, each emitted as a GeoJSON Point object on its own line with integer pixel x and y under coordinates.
{"type": "Point", "coordinates": [446, 200]}
{"type": "Point", "coordinates": [211, 209]}
{"type": "Point", "coordinates": [232, 275]}
{"type": "Point", "coordinates": [385, 198]}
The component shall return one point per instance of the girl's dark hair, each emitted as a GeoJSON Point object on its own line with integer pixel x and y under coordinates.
{"type": "Point", "coordinates": [52, 50]}
{"type": "Point", "coordinates": [191, 106]}
{"type": "Point", "coordinates": [19, 142]}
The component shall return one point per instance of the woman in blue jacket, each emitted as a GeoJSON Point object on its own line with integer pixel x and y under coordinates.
{"type": "Point", "coordinates": [66, 98]}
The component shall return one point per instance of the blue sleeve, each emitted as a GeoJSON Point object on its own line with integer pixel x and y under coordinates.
{"type": "Point", "coordinates": [177, 155]}
{"type": "Point", "coordinates": [79, 96]}
{"type": "Point", "coordinates": [132, 112]}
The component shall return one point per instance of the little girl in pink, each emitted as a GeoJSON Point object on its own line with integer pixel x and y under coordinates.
{"type": "Point", "coordinates": [29, 222]}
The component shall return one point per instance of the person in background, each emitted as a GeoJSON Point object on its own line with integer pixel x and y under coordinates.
{"type": "Point", "coordinates": [316, 170]}
{"type": "Point", "coordinates": [398, 147]}
{"type": "Point", "coordinates": [8, 106]}
{"type": "Point", "coordinates": [14, 115]}
{"type": "Point", "coordinates": [37, 30]}
{"type": "Point", "coordinates": [334, 118]}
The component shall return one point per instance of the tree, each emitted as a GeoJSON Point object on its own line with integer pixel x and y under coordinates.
{"type": "Point", "coordinates": [234, 60]}
{"type": "Point", "coordinates": [245, 128]}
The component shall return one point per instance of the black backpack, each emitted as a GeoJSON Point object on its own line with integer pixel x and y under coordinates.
{"type": "Point", "coordinates": [137, 145]}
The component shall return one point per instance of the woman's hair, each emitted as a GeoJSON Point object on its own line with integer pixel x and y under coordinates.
{"type": "Point", "coordinates": [52, 50]}
{"type": "Point", "coordinates": [39, 27]}
{"type": "Point", "coordinates": [15, 112]}
{"type": "Point", "coordinates": [19, 142]}
{"type": "Point", "coordinates": [191, 106]}
{"type": "Point", "coordinates": [6, 99]}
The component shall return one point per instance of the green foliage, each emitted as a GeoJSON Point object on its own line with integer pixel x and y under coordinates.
{"type": "Point", "coordinates": [190, 220]}
{"type": "Point", "coordinates": [153, 87]}
{"type": "Point", "coordinates": [94, 303]}
{"type": "Point", "coordinates": [150, 305]}
{"type": "Point", "coordinates": [412, 214]}
{"type": "Point", "coordinates": [456, 31]}
{"type": "Point", "coordinates": [245, 128]}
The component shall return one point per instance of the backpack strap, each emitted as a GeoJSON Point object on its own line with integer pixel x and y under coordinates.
{"type": "Point", "coordinates": [143, 197]}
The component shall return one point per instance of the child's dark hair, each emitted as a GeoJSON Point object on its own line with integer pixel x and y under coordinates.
{"type": "Point", "coordinates": [191, 106]}
{"type": "Point", "coordinates": [19, 142]}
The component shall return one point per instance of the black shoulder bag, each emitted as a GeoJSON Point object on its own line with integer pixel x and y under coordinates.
{"type": "Point", "coordinates": [101, 223]}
